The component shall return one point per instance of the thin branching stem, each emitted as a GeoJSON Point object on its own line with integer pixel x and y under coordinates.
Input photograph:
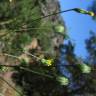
{"type": "Point", "coordinates": [32, 55]}
{"type": "Point", "coordinates": [10, 21]}
{"type": "Point", "coordinates": [10, 55]}
{"type": "Point", "coordinates": [53, 14]}
{"type": "Point", "coordinates": [38, 73]}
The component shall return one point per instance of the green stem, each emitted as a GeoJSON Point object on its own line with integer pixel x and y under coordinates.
{"type": "Point", "coordinates": [11, 20]}
{"type": "Point", "coordinates": [29, 70]}
{"type": "Point", "coordinates": [35, 72]}
{"type": "Point", "coordinates": [11, 55]}
{"type": "Point", "coordinates": [31, 55]}
{"type": "Point", "coordinates": [31, 29]}
{"type": "Point", "coordinates": [53, 14]}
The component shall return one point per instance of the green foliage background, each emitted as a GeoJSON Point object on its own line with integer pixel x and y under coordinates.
{"type": "Point", "coordinates": [18, 27]}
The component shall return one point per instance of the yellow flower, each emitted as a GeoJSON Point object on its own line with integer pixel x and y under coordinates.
{"type": "Point", "coordinates": [91, 13]}
{"type": "Point", "coordinates": [48, 62]}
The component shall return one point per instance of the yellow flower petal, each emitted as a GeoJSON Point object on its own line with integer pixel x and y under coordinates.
{"type": "Point", "coordinates": [91, 13]}
{"type": "Point", "coordinates": [48, 62]}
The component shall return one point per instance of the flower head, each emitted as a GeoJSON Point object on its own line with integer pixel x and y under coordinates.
{"type": "Point", "coordinates": [48, 62]}
{"type": "Point", "coordinates": [91, 13]}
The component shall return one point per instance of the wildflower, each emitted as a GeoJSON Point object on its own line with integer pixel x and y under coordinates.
{"type": "Point", "coordinates": [84, 11]}
{"type": "Point", "coordinates": [48, 62]}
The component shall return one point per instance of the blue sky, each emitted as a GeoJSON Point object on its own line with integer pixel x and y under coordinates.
{"type": "Point", "coordinates": [78, 25]}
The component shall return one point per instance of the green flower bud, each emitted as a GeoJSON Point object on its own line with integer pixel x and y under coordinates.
{"type": "Point", "coordinates": [84, 68]}
{"type": "Point", "coordinates": [60, 28]}
{"type": "Point", "coordinates": [62, 80]}
{"type": "Point", "coordinates": [84, 11]}
{"type": "Point", "coordinates": [80, 10]}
